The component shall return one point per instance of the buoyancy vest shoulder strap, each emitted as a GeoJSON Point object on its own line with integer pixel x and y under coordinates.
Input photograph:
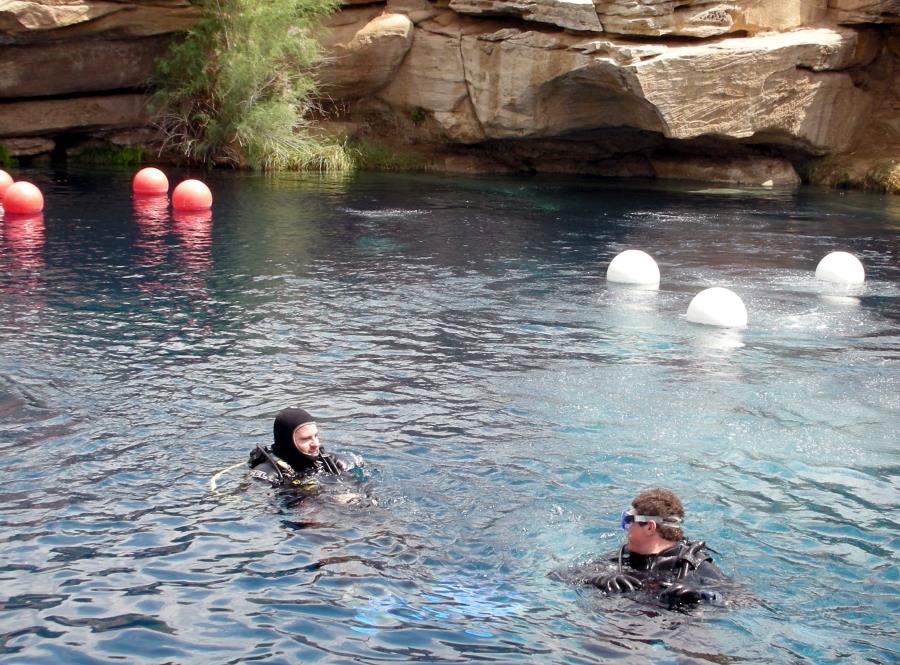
{"type": "Point", "coordinates": [695, 553]}
{"type": "Point", "coordinates": [690, 555]}
{"type": "Point", "coordinates": [260, 454]}
{"type": "Point", "coordinates": [329, 464]}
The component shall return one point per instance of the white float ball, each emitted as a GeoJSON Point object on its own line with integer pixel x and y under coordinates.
{"type": "Point", "coordinates": [633, 267]}
{"type": "Point", "coordinates": [841, 267]}
{"type": "Point", "coordinates": [718, 307]}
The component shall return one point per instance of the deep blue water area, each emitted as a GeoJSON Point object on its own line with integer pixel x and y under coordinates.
{"type": "Point", "coordinates": [459, 337]}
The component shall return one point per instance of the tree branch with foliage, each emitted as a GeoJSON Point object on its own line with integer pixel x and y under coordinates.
{"type": "Point", "coordinates": [238, 88]}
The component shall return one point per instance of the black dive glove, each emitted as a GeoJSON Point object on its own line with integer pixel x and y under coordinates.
{"type": "Point", "coordinates": [683, 594]}
{"type": "Point", "coordinates": [616, 583]}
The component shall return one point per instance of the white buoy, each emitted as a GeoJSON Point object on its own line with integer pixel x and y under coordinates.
{"type": "Point", "coordinates": [841, 267]}
{"type": "Point", "coordinates": [633, 267]}
{"type": "Point", "coordinates": [718, 306]}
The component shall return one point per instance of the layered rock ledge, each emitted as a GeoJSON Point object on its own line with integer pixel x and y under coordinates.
{"type": "Point", "coordinates": [748, 91]}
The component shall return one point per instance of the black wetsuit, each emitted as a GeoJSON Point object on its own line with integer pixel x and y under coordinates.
{"type": "Point", "coordinates": [682, 574]}
{"type": "Point", "coordinates": [268, 466]}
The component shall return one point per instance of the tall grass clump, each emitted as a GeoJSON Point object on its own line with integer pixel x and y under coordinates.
{"type": "Point", "coordinates": [237, 89]}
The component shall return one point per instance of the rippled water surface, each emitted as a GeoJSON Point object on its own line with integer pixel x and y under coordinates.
{"type": "Point", "coordinates": [459, 336]}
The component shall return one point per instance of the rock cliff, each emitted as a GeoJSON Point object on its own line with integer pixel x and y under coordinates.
{"type": "Point", "coordinates": [747, 91]}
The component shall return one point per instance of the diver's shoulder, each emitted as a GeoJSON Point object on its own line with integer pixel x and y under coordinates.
{"type": "Point", "coordinates": [267, 472]}
{"type": "Point", "coordinates": [264, 465]}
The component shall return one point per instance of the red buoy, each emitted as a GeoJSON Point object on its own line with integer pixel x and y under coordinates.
{"type": "Point", "coordinates": [150, 181]}
{"type": "Point", "coordinates": [5, 181]}
{"type": "Point", "coordinates": [191, 195]}
{"type": "Point", "coordinates": [23, 198]}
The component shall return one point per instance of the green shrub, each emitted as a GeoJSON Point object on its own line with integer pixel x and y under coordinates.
{"type": "Point", "coordinates": [236, 90]}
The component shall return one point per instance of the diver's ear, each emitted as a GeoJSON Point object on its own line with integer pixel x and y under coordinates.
{"type": "Point", "coordinates": [651, 527]}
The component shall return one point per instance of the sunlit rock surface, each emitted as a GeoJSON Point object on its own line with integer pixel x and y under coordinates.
{"type": "Point", "coordinates": [25, 21]}
{"type": "Point", "coordinates": [779, 88]}
{"type": "Point", "coordinates": [361, 61]}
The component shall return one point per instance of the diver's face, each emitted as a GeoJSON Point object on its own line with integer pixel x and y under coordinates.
{"type": "Point", "coordinates": [306, 439]}
{"type": "Point", "coordinates": [640, 536]}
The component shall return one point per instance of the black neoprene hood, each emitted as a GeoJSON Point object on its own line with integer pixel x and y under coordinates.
{"type": "Point", "coordinates": [286, 422]}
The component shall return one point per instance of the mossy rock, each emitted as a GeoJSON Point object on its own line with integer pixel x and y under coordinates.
{"type": "Point", "coordinates": [105, 154]}
{"type": "Point", "coordinates": [843, 172]}
{"type": "Point", "coordinates": [884, 177]}
{"type": "Point", "coordinates": [378, 156]}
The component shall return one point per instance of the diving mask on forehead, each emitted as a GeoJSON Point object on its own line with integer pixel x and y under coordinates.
{"type": "Point", "coordinates": [628, 518]}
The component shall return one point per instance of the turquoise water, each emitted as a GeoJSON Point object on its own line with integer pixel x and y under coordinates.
{"type": "Point", "coordinates": [459, 336]}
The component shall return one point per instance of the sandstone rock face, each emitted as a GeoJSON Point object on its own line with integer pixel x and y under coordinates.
{"type": "Point", "coordinates": [433, 78]}
{"type": "Point", "coordinates": [656, 18]}
{"type": "Point", "coordinates": [765, 171]}
{"type": "Point", "coordinates": [865, 11]}
{"type": "Point", "coordinates": [416, 10]}
{"type": "Point", "coordinates": [28, 147]}
{"type": "Point", "coordinates": [53, 52]}
{"type": "Point", "coordinates": [59, 115]}
{"type": "Point", "coordinates": [742, 90]}
{"type": "Point", "coordinates": [778, 88]}
{"type": "Point", "coordinates": [695, 18]}
{"type": "Point", "coordinates": [42, 70]}
{"type": "Point", "coordinates": [26, 21]}
{"type": "Point", "coordinates": [873, 158]}
{"type": "Point", "coordinates": [360, 65]}
{"type": "Point", "coordinates": [485, 80]}
{"type": "Point", "coordinates": [574, 14]}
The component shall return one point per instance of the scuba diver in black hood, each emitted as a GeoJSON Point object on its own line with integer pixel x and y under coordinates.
{"type": "Point", "coordinates": [656, 558]}
{"type": "Point", "coordinates": [295, 453]}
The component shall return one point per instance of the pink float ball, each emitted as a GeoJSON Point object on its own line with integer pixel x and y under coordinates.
{"type": "Point", "coordinates": [5, 181]}
{"type": "Point", "coordinates": [23, 198]}
{"type": "Point", "coordinates": [191, 195]}
{"type": "Point", "coordinates": [150, 181]}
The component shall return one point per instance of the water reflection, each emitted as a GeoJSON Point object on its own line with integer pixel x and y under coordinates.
{"type": "Point", "coordinates": [194, 231]}
{"type": "Point", "coordinates": [23, 251]}
{"type": "Point", "coordinates": [633, 299]}
{"type": "Point", "coordinates": [845, 302]}
{"type": "Point", "coordinates": [313, 183]}
{"type": "Point", "coordinates": [174, 254]}
{"type": "Point", "coordinates": [507, 400]}
{"type": "Point", "coordinates": [23, 238]}
{"type": "Point", "coordinates": [151, 214]}
{"type": "Point", "coordinates": [708, 338]}
{"type": "Point", "coordinates": [841, 296]}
